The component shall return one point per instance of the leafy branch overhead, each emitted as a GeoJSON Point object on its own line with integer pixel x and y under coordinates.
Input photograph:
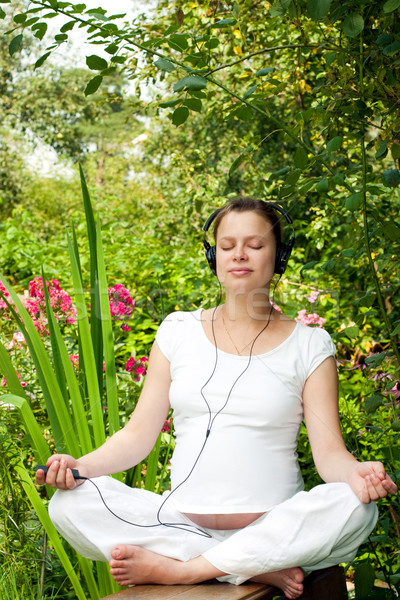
{"type": "Point", "coordinates": [319, 75]}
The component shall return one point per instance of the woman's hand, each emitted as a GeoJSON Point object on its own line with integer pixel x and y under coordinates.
{"type": "Point", "coordinates": [369, 481]}
{"type": "Point", "coordinates": [59, 474]}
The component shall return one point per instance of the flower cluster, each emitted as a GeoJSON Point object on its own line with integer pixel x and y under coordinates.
{"type": "Point", "coordinates": [4, 381]}
{"type": "Point", "coordinates": [3, 290]}
{"type": "Point", "coordinates": [60, 302]}
{"type": "Point", "coordinates": [137, 367]}
{"type": "Point", "coordinates": [121, 304]}
{"type": "Point", "coordinates": [313, 296]}
{"type": "Point", "coordinates": [310, 319]}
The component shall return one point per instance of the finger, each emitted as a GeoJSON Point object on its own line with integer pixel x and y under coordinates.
{"type": "Point", "coordinates": [51, 474]}
{"type": "Point", "coordinates": [40, 477]}
{"type": "Point", "coordinates": [69, 479]}
{"type": "Point", "coordinates": [389, 485]}
{"type": "Point", "coordinates": [378, 469]}
{"type": "Point", "coordinates": [375, 488]}
{"type": "Point", "coordinates": [61, 475]}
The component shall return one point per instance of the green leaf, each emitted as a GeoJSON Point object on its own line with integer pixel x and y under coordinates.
{"type": "Point", "coordinates": [300, 158]}
{"type": "Point", "coordinates": [279, 8]}
{"type": "Point", "coordinates": [15, 44]}
{"type": "Point", "coordinates": [111, 48]}
{"type": "Point", "coordinates": [40, 29]}
{"type": "Point", "coordinates": [244, 113]}
{"type": "Point", "coordinates": [395, 149]}
{"type": "Point", "coordinates": [382, 149]}
{"type": "Point", "coordinates": [334, 144]}
{"type": "Point", "coordinates": [318, 9]}
{"type": "Point", "coordinates": [375, 359]}
{"type": "Point", "coordinates": [194, 104]}
{"type": "Point", "coordinates": [191, 82]}
{"type": "Point", "coordinates": [61, 37]}
{"type": "Point", "coordinates": [178, 41]}
{"type": "Point", "coordinates": [354, 201]}
{"type": "Point", "coordinates": [391, 49]}
{"type": "Point", "coordinates": [120, 60]}
{"type": "Point", "coordinates": [2, 13]}
{"type": "Point", "coordinates": [250, 91]}
{"type": "Point", "coordinates": [164, 65]}
{"type": "Point", "coordinates": [364, 577]}
{"type": "Point", "coordinates": [20, 18]}
{"type": "Point", "coordinates": [212, 43]}
{"type": "Point", "coordinates": [97, 14]}
{"type": "Point", "coordinates": [41, 60]}
{"type": "Point", "coordinates": [223, 23]}
{"type": "Point", "coordinates": [391, 177]}
{"type": "Point", "coordinates": [180, 115]}
{"type": "Point", "coordinates": [373, 402]}
{"type": "Point", "coordinates": [67, 26]}
{"type": "Point", "coordinates": [169, 103]}
{"type": "Point", "coordinates": [391, 5]}
{"type": "Point", "coordinates": [264, 71]}
{"type": "Point", "coordinates": [322, 185]}
{"type": "Point", "coordinates": [391, 230]}
{"type": "Point", "coordinates": [93, 85]}
{"type": "Point", "coordinates": [350, 332]}
{"type": "Point", "coordinates": [353, 25]}
{"type": "Point", "coordinates": [96, 63]}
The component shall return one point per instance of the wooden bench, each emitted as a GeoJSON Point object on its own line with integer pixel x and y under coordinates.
{"type": "Point", "coordinates": [325, 584]}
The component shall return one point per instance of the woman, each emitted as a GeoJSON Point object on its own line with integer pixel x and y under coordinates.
{"type": "Point", "coordinates": [240, 378]}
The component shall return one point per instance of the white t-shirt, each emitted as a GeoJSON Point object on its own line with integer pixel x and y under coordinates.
{"type": "Point", "coordinates": [249, 461]}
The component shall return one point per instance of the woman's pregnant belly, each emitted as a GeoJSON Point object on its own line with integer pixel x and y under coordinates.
{"type": "Point", "coordinates": [232, 521]}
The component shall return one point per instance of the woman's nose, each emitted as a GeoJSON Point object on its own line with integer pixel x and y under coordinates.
{"type": "Point", "coordinates": [239, 253]}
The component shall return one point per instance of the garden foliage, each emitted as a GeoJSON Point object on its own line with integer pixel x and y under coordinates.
{"type": "Point", "coordinates": [294, 101]}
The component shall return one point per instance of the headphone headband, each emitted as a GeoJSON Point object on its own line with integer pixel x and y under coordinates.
{"type": "Point", "coordinates": [283, 250]}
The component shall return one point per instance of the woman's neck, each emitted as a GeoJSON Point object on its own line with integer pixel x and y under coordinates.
{"type": "Point", "coordinates": [247, 308]}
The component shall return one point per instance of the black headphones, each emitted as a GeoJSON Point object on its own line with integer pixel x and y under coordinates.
{"type": "Point", "coordinates": [283, 250]}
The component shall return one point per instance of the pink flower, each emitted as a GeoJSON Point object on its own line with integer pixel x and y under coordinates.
{"type": "Point", "coordinates": [121, 304]}
{"type": "Point", "coordinates": [60, 302]}
{"type": "Point", "coordinates": [4, 381]}
{"type": "Point", "coordinates": [74, 358]}
{"type": "Point", "coordinates": [313, 296]}
{"type": "Point", "coordinates": [137, 367]}
{"type": "Point", "coordinates": [3, 305]}
{"type": "Point", "coordinates": [309, 319]}
{"type": "Point", "coordinates": [167, 426]}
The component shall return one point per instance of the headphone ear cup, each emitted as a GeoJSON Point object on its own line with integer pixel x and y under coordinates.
{"type": "Point", "coordinates": [211, 256]}
{"type": "Point", "coordinates": [283, 253]}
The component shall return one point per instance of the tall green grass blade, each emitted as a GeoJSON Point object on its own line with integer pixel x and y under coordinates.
{"type": "Point", "coordinates": [87, 571]}
{"type": "Point", "coordinates": [58, 414]}
{"type": "Point", "coordinates": [152, 466]}
{"type": "Point", "coordinates": [39, 444]}
{"type": "Point", "coordinates": [76, 248]}
{"type": "Point", "coordinates": [82, 380]}
{"type": "Point", "coordinates": [95, 313]}
{"type": "Point", "coordinates": [54, 538]}
{"type": "Point", "coordinates": [54, 346]}
{"type": "Point", "coordinates": [108, 340]}
{"type": "Point", "coordinates": [68, 373]}
{"type": "Point", "coordinates": [8, 371]}
{"type": "Point", "coordinates": [87, 352]}
{"type": "Point", "coordinates": [106, 584]}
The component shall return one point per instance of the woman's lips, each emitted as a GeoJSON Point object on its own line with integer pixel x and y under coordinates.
{"type": "Point", "coordinates": [240, 271]}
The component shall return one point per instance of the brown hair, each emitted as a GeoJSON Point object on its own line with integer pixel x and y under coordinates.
{"type": "Point", "coordinates": [246, 203]}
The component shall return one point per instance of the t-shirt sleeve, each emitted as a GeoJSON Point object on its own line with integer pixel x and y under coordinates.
{"type": "Point", "coordinates": [320, 347]}
{"type": "Point", "coordinates": [166, 334]}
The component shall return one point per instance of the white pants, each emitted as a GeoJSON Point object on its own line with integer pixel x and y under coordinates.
{"type": "Point", "coordinates": [312, 530]}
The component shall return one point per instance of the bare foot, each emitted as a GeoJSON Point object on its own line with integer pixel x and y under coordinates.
{"type": "Point", "coordinates": [135, 565]}
{"type": "Point", "coordinates": [290, 581]}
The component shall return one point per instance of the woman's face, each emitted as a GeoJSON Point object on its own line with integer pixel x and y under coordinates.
{"type": "Point", "coordinates": [246, 249]}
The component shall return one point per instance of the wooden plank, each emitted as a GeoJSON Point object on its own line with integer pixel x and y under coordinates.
{"type": "Point", "coordinates": [205, 591]}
